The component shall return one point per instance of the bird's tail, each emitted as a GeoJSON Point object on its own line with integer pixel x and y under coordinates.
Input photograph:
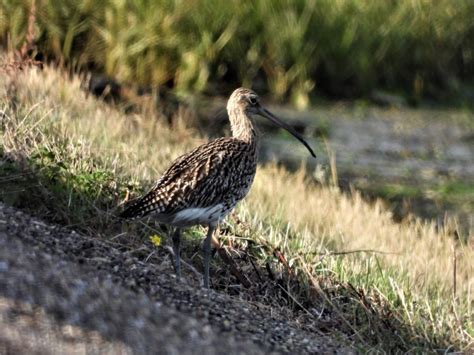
{"type": "Point", "coordinates": [139, 208]}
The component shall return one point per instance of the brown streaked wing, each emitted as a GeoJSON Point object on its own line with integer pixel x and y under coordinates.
{"type": "Point", "coordinates": [201, 178]}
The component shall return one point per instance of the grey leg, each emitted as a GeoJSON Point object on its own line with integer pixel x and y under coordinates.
{"type": "Point", "coordinates": [177, 260]}
{"type": "Point", "coordinates": [207, 253]}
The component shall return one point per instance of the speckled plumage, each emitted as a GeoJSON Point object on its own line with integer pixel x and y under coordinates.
{"type": "Point", "coordinates": [203, 186]}
{"type": "Point", "coordinates": [219, 172]}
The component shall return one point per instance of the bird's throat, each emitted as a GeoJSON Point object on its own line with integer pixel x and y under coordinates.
{"type": "Point", "coordinates": [242, 126]}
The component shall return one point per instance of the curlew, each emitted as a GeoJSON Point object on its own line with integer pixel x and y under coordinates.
{"type": "Point", "coordinates": [203, 186]}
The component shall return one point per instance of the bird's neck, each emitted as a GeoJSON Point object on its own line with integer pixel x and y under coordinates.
{"type": "Point", "coordinates": [242, 126]}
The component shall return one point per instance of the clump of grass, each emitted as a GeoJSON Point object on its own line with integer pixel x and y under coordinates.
{"type": "Point", "coordinates": [390, 286]}
{"type": "Point", "coordinates": [46, 140]}
{"type": "Point", "coordinates": [414, 269]}
{"type": "Point", "coordinates": [340, 47]}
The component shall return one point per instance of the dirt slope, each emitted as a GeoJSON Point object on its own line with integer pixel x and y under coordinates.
{"type": "Point", "coordinates": [61, 292]}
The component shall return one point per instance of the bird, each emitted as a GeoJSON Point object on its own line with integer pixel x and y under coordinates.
{"type": "Point", "coordinates": [204, 186]}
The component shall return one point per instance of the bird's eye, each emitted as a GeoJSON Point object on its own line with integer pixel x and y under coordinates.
{"type": "Point", "coordinates": [253, 100]}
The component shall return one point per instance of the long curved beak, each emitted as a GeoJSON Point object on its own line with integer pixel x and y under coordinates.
{"type": "Point", "coordinates": [270, 116]}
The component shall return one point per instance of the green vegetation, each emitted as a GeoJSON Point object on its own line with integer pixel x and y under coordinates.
{"type": "Point", "coordinates": [342, 47]}
{"type": "Point", "coordinates": [397, 190]}
{"type": "Point", "coordinates": [456, 190]}
{"type": "Point", "coordinates": [72, 159]}
{"type": "Point", "coordinates": [447, 194]}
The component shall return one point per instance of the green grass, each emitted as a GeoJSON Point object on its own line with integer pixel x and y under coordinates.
{"type": "Point", "coordinates": [457, 190]}
{"type": "Point", "coordinates": [343, 47]}
{"type": "Point", "coordinates": [384, 285]}
{"type": "Point", "coordinates": [397, 190]}
{"type": "Point", "coordinates": [454, 192]}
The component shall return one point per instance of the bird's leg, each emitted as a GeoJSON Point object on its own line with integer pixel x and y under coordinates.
{"type": "Point", "coordinates": [207, 253]}
{"type": "Point", "coordinates": [177, 260]}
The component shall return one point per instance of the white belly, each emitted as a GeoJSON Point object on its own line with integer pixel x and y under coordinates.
{"type": "Point", "coordinates": [199, 215]}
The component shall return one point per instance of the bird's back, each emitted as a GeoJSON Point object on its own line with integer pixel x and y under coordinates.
{"type": "Point", "coordinates": [218, 173]}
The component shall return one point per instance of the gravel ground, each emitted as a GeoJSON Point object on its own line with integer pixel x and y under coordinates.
{"type": "Point", "coordinates": [62, 292]}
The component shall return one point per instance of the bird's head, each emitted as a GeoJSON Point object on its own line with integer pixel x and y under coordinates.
{"type": "Point", "coordinates": [247, 101]}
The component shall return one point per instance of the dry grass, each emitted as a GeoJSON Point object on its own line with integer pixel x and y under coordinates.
{"type": "Point", "coordinates": [86, 155]}
{"type": "Point", "coordinates": [325, 218]}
